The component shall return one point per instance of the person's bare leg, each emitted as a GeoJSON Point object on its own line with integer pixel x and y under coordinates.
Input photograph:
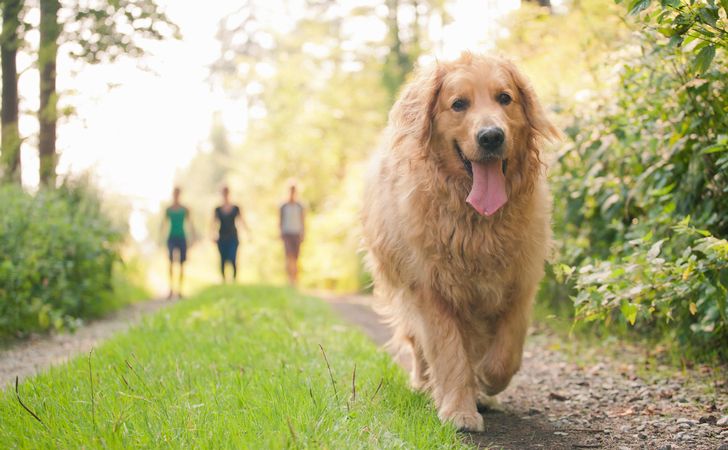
{"type": "Point", "coordinates": [181, 279]}
{"type": "Point", "coordinates": [222, 269]}
{"type": "Point", "coordinates": [290, 263]}
{"type": "Point", "coordinates": [295, 270]}
{"type": "Point", "coordinates": [171, 280]}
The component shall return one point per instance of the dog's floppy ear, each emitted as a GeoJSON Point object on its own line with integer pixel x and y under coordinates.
{"type": "Point", "coordinates": [539, 123]}
{"type": "Point", "coordinates": [413, 113]}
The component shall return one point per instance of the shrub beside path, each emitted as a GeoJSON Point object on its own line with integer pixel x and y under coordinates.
{"type": "Point", "coordinates": [571, 398]}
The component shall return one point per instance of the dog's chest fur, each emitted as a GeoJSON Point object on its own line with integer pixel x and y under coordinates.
{"type": "Point", "coordinates": [469, 260]}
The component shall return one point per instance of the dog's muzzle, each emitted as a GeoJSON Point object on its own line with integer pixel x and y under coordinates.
{"type": "Point", "coordinates": [469, 165]}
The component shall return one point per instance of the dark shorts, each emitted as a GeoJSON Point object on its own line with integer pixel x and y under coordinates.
{"type": "Point", "coordinates": [179, 244]}
{"type": "Point", "coordinates": [228, 249]}
{"type": "Point", "coordinates": [292, 244]}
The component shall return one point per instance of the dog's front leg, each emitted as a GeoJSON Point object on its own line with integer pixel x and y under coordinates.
{"type": "Point", "coordinates": [418, 376]}
{"type": "Point", "coordinates": [451, 376]}
{"type": "Point", "coordinates": [502, 358]}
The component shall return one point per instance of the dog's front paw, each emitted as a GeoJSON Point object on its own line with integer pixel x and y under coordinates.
{"type": "Point", "coordinates": [487, 402]}
{"type": "Point", "coordinates": [418, 383]}
{"type": "Point", "coordinates": [465, 421]}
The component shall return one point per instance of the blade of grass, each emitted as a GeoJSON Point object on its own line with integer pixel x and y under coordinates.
{"type": "Point", "coordinates": [17, 395]}
{"type": "Point", "coordinates": [91, 384]}
{"type": "Point", "coordinates": [377, 391]}
{"type": "Point", "coordinates": [353, 385]}
{"type": "Point", "coordinates": [331, 375]}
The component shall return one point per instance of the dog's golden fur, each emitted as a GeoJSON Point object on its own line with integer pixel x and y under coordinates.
{"type": "Point", "coordinates": [457, 286]}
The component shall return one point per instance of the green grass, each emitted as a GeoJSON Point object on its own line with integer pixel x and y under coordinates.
{"type": "Point", "coordinates": [233, 367]}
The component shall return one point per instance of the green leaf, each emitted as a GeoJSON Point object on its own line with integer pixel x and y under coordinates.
{"type": "Point", "coordinates": [715, 148]}
{"type": "Point", "coordinates": [676, 41]}
{"type": "Point", "coordinates": [673, 3]}
{"type": "Point", "coordinates": [637, 6]}
{"type": "Point", "coordinates": [708, 15]}
{"type": "Point", "coordinates": [665, 190]}
{"type": "Point", "coordinates": [629, 311]}
{"type": "Point", "coordinates": [703, 59]}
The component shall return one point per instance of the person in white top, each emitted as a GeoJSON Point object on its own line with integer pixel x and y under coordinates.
{"type": "Point", "coordinates": [292, 232]}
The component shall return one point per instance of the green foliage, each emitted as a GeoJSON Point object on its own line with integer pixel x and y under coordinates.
{"type": "Point", "coordinates": [641, 158]}
{"type": "Point", "coordinates": [685, 22]}
{"type": "Point", "coordinates": [652, 287]}
{"type": "Point", "coordinates": [57, 258]}
{"type": "Point", "coordinates": [106, 30]}
{"type": "Point", "coordinates": [235, 367]}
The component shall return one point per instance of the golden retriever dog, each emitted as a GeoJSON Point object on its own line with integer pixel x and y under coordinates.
{"type": "Point", "coordinates": [456, 223]}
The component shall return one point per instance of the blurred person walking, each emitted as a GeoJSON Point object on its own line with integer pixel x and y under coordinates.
{"type": "Point", "coordinates": [228, 215]}
{"type": "Point", "coordinates": [177, 215]}
{"type": "Point", "coordinates": [292, 232]}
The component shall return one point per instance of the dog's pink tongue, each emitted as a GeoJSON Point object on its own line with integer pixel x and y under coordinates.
{"type": "Point", "coordinates": [488, 193]}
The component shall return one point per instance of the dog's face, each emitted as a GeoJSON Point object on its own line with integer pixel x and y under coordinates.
{"type": "Point", "coordinates": [481, 120]}
{"type": "Point", "coordinates": [479, 114]}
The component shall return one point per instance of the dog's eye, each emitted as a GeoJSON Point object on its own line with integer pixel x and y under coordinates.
{"type": "Point", "coordinates": [504, 99]}
{"type": "Point", "coordinates": [459, 105]}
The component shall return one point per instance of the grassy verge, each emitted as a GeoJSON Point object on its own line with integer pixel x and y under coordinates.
{"type": "Point", "coordinates": [234, 367]}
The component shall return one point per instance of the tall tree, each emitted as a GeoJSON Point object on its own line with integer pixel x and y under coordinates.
{"type": "Point", "coordinates": [406, 41]}
{"type": "Point", "coordinates": [398, 62]}
{"type": "Point", "coordinates": [9, 43]}
{"type": "Point", "coordinates": [47, 117]}
{"type": "Point", "coordinates": [101, 31]}
{"type": "Point", "coordinates": [544, 3]}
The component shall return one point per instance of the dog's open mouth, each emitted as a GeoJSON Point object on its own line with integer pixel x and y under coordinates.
{"type": "Point", "coordinates": [488, 193]}
{"type": "Point", "coordinates": [466, 162]}
{"type": "Point", "coordinates": [469, 166]}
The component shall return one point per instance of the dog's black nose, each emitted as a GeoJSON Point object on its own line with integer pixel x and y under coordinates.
{"type": "Point", "coordinates": [490, 138]}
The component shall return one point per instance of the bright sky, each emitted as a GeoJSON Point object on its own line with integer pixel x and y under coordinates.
{"type": "Point", "coordinates": [135, 135]}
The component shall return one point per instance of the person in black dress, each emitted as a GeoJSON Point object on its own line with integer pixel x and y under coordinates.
{"type": "Point", "coordinates": [228, 216]}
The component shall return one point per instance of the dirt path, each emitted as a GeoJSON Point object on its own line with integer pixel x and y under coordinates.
{"type": "Point", "coordinates": [596, 402]}
{"type": "Point", "coordinates": [38, 353]}
{"type": "Point", "coordinates": [556, 401]}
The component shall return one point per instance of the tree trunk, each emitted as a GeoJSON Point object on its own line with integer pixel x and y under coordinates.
{"type": "Point", "coordinates": [398, 62]}
{"type": "Point", "coordinates": [9, 40]}
{"type": "Point", "coordinates": [47, 116]}
{"type": "Point", "coordinates": [544, 3]}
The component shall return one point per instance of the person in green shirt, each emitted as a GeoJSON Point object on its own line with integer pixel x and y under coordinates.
{"type": "Point", "coordinates": [177, 214]}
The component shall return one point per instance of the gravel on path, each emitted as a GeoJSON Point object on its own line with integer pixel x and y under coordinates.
{"type": "Point", "coordinates": [563, 401]}
{"type": "Point", "coordinates": [28, 357]}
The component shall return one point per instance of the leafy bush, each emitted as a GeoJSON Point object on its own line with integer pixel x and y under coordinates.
{"type": "Point", "coordinates": [57, 252]}
{"type": "Point", "coordinates": [642, 164]}
{"type": "Point", "coordinates": [683, 290]}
